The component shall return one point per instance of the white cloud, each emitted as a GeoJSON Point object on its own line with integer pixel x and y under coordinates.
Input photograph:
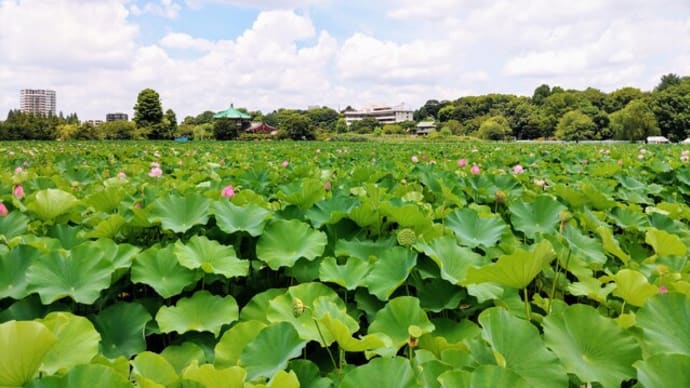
{"type": "Point", "coordinates": [260, 4]}
{"type": "Point", "coordinates": [178, 40]}
{"type": "Point", "coordinates": [164, 8]}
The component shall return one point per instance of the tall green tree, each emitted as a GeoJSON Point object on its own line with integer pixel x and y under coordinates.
{"type": "Point", "coordinates": [298, 127]}
{"type": "Point", "coordinates": [169, 125]}
{"type": "Point", "coordinates": [148, 110]}
{"type": "Point", "coordinates": [667, 80]}
{"type": "Point", "coordinates": [226, 129]}
{"type": "Point", "coordinates": [576, 126]}
{"type": "Point", "coordinates": [671, 106]}
{"type": "Point", "coordinates": [634, 122]}
{"type": "Point", "coordinates": [494, 128]}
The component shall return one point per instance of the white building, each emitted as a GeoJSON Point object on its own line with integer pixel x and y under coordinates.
{"type": "Point", "coordinates": [37, 101]}
{"type": "Point", "coordinates": [384, 114]}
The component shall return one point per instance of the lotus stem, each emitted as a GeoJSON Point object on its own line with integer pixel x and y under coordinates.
{"type": "Point", "coordinates": [527, 309]}
{"type": "Point", "coordinates": [323, 340]}
{"type": "Point", "coordinates": [555, 281]}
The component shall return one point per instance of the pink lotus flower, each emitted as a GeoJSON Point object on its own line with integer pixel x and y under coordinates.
{"type": "Point", "coordinates": [18, 191]}
{"type": "Point", "coordinates": [327, 186]}
{"type": "Point", "coordinates": [121, 175]}
{"type": "Point", "coordinates": [663, 289]}
{"type": "Point", "coordinates": [285, 163]}
{"type": "Point", "coordinates": [462, 163]}
{"type": "Point", "coordinates": [155, 172]}
{"type": "Point", "coordinates": [475, 170]}
{"type": "Point", "coordinates": [228, 191]}
{"type": "Point", "coordinates": [18, 170]}
{"type": "Point", "coordinates": [415, 159]}
{"type": "Point", "coordinates": [518, 169]}
{"type": "Point", "coordinates": [155, 164]}
{"type": "Point", "coordinates": [3, 210]}
{"type": "Point", "coordinates": [540, 182]}
{"type": "Point", "coordinates": [640, 156]}
{"type": "Point", "coordinates": [684, 158]}
{"type": "Point", "coordinates": [585, 161]}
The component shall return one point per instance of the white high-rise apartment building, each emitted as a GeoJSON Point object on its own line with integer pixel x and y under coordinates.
{"type": "Point", "coordinates": [37, 101]}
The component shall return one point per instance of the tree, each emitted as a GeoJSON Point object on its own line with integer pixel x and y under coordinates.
{"type": "Point", "coordinates": [667, 80]}
{"type": "Point", "coordinates": [540, 94]}
{"type": "Point", "coordinates": [226, 129]}
{"type": "Point", "coordinates": [634, 122]}
{"type": "Point", "coordinates": [365, 125]}
{"type": "Point", "coordinates": [323, 118]}
{"type": "Point", "coordinates": [575, 125]}
{"type": "Point", "coordinates": [169, 125]}
{"type": "Point", "coordinates": [619, 98]}
{"type": "Point", "coordinates": [671, 106]}
{"type": "Point", "coordinates": [118, 130]}
{"type": "Point", "coordinates": [494, 128]}
{"type": "Point", "coordinates": [298, 127]}
{"type": "Point", "coordinates": [148, 110]}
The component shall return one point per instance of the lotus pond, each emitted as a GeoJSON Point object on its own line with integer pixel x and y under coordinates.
{"type": "Point", "coordinates": [344, 265]}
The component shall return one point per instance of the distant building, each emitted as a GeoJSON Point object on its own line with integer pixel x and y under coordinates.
{"type": "Point", "coordinates": [424, 128]}
{"type": "Point", "coordinates": [384, 114]}
{"type": "Point", "coordinates": [95, 123]}
{"type": "Point", "coordinates": [37, 101]}
{"type": "Point", "coordinates": [116, 117]}
{"type": "Point", "coordinates": [261, 128]}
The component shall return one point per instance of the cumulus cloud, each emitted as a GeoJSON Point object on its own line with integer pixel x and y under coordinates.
{"type": "Point", "coordinates": [164, 8]}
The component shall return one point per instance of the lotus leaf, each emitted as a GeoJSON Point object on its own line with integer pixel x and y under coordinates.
{"type": "Point", "coordinates": [122, 329]}
{"type": "Point", "coordinates": [458, 379]}
{"type": "Point", "coordinates": [284, 242]}
{"type": "Point", "coordinates": [180, 213]}
{"type": "Point", "coordinates": [452, 259]}
{"type": "Point", "coordinates": [330, 211]}
{"type": "Point", "coordinates": [395, 319]}
{"type": "Point", "coordinates": [179, 356]}
{"type": "Point", "coordinates": [350, 275]}
{"type": "Point", "coordinates": [390, 271]}
{"type": "Point", "coordinates": [208, 376]}
{"type": "Point", "coordinates": [511, 339]}
{"type": "Point", "coordinates": [13, 268]}
{"type": "Point", "coordinates": [231, 218]}
{"type": "Point", "coordinates": [51, 203]}
{"type": "Point", "coordinates": [591, 288]}
{"type": "Point", "coordinates": [84, 376]}
{"type": "Point", "coordinates": [474, 231]}
{"type": "Point", "coordinates": [233, 341]}
{"type": "Point", "coordinates": [539, 217]}
{"type": "Point", "coordinates": [271, 350]}
{"type": "Point", "coordinates": [302, 192]}
{"type": "Point", "coordinates": [664, 243]}
{"type": "Point", "coordinates": [591, 346]}
{"type": "Point", "coordinates": [283, 379]}
{"type": "Point", "coordinates": [516, 270]}
{"type": "Point", "coordinates": [362, 249]}
{"type": "Point", "coordinates": [494, 376]}
{"type": "Point", "coordinates": [343, 335]}
{"type": "Point", "coordinates": [108, 228]}
{"type": "Point", "coordinates": [79, 274]}
{"type": "Point", "coordinates": [200, 312]}
{"type": "Point", "coordinates": [159, 268]}
{"type": "Point", "coordinates": [257, 307]}
{"type": "Point", "coordinates": [382, 372]}
{"type": "Point", "coordinates": [13, 225]}
{"type": "Point", "coordinates": [611, 245]}
{"type": "Point", "coordinates": [107, 199]}
{"type": "Point", "coordinates": [24, 345]}
{"type": "Point", "coordinates": [664, 323]}
{"type": "Point", "coordinates": [77, 342]}
{"type": "Point", "coordinates": [309, 374]}
{"type": "Point", "coordinates": [633, 287]}
{"type": "Point", "coordinates": [149, 366]}
{"type": "Point", "coordinates": [664, 370]}
{"type": "Point", "coordinates": [627, 218]}
{"type": "Point", "coordinates": [211, 256]}
{"type": "Point", "coordinates": [585, 248]}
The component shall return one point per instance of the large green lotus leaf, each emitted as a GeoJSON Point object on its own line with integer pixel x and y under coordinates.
{"type": "Point", "coordinates": [362, 249]}
{"type": "Point", "coordinates": [51, 203]}
{"type": "Point", "coordinates": [179, 356]}
{"type": "Point", "coordinates": [13, 267]}
{"type": "Point", "coordinates": [396, 318]}
{"type": "Point", "coordinates": [84, 376]}
{"type": "Point", "coordinates": [390, 271]}
{"type": "Point", "coordinates": [283, 379]}
{"type": "Point", "coordinates": [591, 346]}
{"type": "Point", "coordinates": [257, 307]}
{"type": "Point", "coordinates": [343, 335]}
{"type": "Point", "coordinates": [331, 210]}
{"type": "Point", "coordinates": [302, 192]}
{"type": "Point", "coordinates": [382, 372]}
{"type": "Point", "coordinates": [211, 257]}
{"type": "Point", "coordinates": [474, 231]}
{"type": "Point", "coordinates": [665, 243]}
{"type": "Point", "coordinates": [201, 312]}
{"type": "Point", "coordinates": [496, 377]}
{"type": "Point", "coordinates": [154, 367]}
{"type": "Point", "coordinates": [108, 228]}
{"type": "Point", "coordinates": [633, 287]}
{"type": "Point", "coordinates": [159, 268]}
{"type": "Point", "coordinates": [350, 275]}
{"type": "Point", "coordinates": [180, 213]}
{"type": "Point", "coordinates": [664, 323]}
{"type": "Point", "coordinates": [585, 248]}
{"type": "Point", "coordinates": [540, 216]}
{"type": "Point", "coordinates": [107, 199]}
{"type": "Point", "coordinates": [516, 270]}
{"type": "Point", "coordinates": [592, 288]}
{"type": "Point", "coordinates": [271, 350]}
{"type": "Point", "coordinates": [122, 329]}
{"type": "Point", "coordinates": [232, 218]}
{"type": "Point", "coordinates": [284, 242]}
{"type": "Point", "coordinates": [664, 370]}
{"type": "Point", "coordinates": [452, 259]}
{"type": "Point", "coordinates": [13, 225]}
{"type": "Point", "coordinates": [233, 341]}
{"type": "Point", "coordinates": [80, 274]}
{"type": "Point", "coordinates": [457, 379]}
{"type": "Point", "coordinates": [208, 376]}
{"type": "Point", "coordinates": [628, 218]}
{"type": "Point", "coordinates": [69, 236]}
{"type": "Point", "coordinates": [511, 339]}
{"type": "Point", "coordinates": [77, 343]}
{"type": "Point", "coordinates": [407, 216]}
{"type": "Point", "coordinates": [611, 245]}
{"type": "Point", "coordinates": [309, 374]}
{"type": "Point", "coordinates": [283, 307]}
{"type": "Point", "coordinates": [24, 344]}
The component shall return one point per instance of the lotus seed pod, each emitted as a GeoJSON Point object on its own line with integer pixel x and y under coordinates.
{"type": "Point", "coordinates": [406, 237]}
{"type": "Point", "coordinates": [298, 307]}
{"type": "Point", "coordinates": [500, 197]}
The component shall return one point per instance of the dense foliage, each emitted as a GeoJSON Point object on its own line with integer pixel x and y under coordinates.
{"type": "Point", "coordinates": [391, 265]}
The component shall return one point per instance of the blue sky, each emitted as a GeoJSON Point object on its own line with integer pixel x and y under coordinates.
{"type": "Point", "coordinates": [267, 54]}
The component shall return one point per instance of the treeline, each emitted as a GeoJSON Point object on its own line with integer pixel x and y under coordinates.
{"type": "Point", "coordinates": [551, 112]}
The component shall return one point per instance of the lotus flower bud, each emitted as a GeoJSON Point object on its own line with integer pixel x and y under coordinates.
{"type": "Point", "coordinates": [298, 307]}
